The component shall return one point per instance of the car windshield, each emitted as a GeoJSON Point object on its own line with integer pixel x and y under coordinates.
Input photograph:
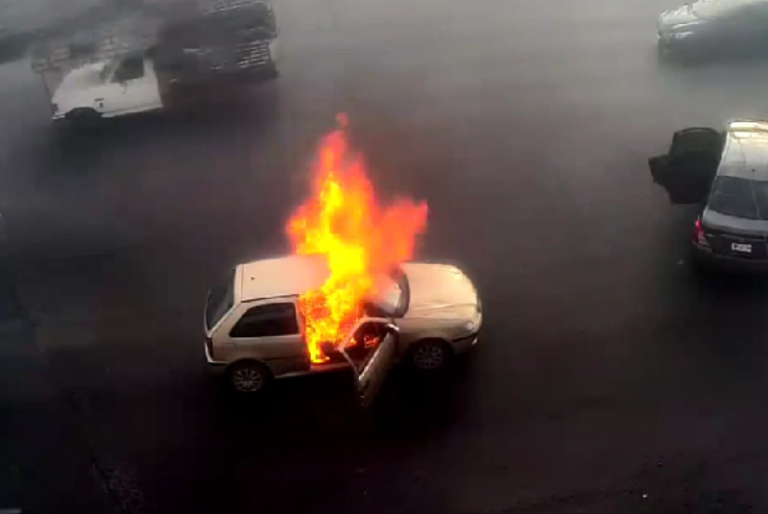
{"type": "Point", "coordinates": [220, 300]}
{"type": "Point", "coordinates": [108, 69]}
{"type": "Point", "coordinates": [392, 295]}
{"type": "Point", "coordinates": [740, 197]}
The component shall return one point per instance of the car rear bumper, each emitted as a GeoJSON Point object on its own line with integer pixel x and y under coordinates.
{"type": "Point", "coordinates": [717, 261]}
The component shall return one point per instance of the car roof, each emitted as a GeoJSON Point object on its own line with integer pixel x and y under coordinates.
{"type": "Point", "coordinates": [746, 151]}
{"type": "Point", "coordinates": [282, 276]}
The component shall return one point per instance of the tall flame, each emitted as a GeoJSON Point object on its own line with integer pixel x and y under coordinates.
{"type": "Point", "coordinates": [360, 238]}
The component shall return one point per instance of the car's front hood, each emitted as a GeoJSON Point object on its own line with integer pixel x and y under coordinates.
{"type": "Point", "coordinates": [79, 79]}
{"type": "Point", "coordinates": [440, 292]}
{"type": "Point", "coordinates": [79, 88]}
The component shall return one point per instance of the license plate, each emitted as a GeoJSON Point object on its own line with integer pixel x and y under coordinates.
{"type": "Point", "coordinates": [741, 247]}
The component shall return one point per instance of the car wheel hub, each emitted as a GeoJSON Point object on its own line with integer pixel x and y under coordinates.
{"type": "Point", "coordinates": [248, 380]}
{"type": "Point", "coordinates": [429, 356]}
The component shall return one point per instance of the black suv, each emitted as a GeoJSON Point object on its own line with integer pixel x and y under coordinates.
{"type": "Point", "coordinates": [727, 173]}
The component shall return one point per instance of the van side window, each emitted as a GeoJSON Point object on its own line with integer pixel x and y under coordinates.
{"type": "Point", "coordinates": [131, 68]}
{"type": "Point", "coordinates": [275, 319]}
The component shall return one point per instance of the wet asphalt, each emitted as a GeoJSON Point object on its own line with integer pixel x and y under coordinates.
{"type": "Point", "coordinates": [609, 378]}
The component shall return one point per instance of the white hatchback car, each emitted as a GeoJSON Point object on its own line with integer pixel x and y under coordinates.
{"type": "Point", "coordinates": [424, 313]}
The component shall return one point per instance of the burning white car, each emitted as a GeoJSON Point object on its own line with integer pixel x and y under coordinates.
{"type": "Point", "coordinates": [422, 313]}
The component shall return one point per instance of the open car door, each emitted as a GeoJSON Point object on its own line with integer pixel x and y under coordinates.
{"type": "Point", "coordinates": [687, 171]}
{"type": "Point", "coordinates": [370, 349]}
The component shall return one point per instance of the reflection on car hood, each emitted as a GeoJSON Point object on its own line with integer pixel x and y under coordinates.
{"type": "Point", "coordinates": [439, 291]}
{"type": "Point", "coordinates": [678, 18]}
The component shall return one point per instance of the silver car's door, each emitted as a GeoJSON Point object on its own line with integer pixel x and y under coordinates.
{"type": "Point", "coordinates": [687, 171]}
{"type": "Point", "coordinates": [370, 349]}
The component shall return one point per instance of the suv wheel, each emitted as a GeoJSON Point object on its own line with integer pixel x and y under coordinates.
{"type": "Point", "coordinates": [248, 377]}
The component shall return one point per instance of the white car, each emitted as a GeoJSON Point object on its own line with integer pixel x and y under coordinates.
{"type": "Point", "coordinates": [108, 89]}
{"type": "Point", "coordinates": [424, 313]}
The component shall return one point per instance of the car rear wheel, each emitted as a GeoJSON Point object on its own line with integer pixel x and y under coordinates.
{"type": "Point", "coordinates": [248, 377]}
{"type": "Point", "coordinates": [432, 355]}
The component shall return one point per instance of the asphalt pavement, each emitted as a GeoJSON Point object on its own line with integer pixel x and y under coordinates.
{"type": "Point", "coordinates": [609, 377]}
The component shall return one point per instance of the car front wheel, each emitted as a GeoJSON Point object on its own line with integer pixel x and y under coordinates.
{"type": "Point", "coordinates": [430, 355]}
{"type": "Point", "coordinates": [249, 377]}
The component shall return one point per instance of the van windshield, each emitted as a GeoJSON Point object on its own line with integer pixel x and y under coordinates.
{"type": "Point", "coordinates": [109, 68]}
{"type": "Point", "coordinates": [220, 299]}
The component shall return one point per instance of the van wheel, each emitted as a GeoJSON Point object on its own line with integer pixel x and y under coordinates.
{"type": "Point", "coordinates": [430, 355]}
{"type": "Point", "coordinates": [83, 117]}
{"type": "Point", "coordinates": [248, 377]}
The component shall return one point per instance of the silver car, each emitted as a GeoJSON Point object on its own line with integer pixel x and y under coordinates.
{"type": "Point", "coordinates": [708, 27]}
{"type": "Point", "coordinates": [423, 313]}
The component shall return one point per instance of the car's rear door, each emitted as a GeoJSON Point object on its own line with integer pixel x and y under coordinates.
{"type": "Point", "coordinates": [687, 171]}
{"type": "Point", "coordinates": [268, 331]}
{"type": "Point", "coordinates": [370, 349]}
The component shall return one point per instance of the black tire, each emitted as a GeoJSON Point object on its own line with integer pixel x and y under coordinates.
{"type": "Point", "coordinates": [248, 378]}
{"type": "Point", "coordinates": [430, 355]}
{"type": "Point", "coordinates": [83, 117]}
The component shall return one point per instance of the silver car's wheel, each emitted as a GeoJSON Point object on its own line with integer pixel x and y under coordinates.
{"type": "Point", "coordinates": [429, 356]}
{"type": "Point", "coordinates": [248, 377]}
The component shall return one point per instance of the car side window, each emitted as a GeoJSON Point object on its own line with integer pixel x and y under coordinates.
{"type": "Point", "coordinates": [275, 319]}
{"type": "Point", "coordinates": [365, 341]}
{"type": "Point", "coordinates": [131, 68]}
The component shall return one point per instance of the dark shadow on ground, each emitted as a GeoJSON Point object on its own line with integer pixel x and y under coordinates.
{"type": "Point", "coordinates": [68, 144]}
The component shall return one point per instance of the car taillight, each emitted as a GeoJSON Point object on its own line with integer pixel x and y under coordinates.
{"type": "Point", "coordinates": [698, 234]}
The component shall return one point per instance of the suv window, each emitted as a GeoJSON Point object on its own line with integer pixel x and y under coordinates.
{"type": "Point", "coordinates": [275, 319]}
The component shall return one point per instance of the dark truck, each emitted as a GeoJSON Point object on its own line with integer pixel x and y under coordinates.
{"type": "Point", "coordinates": [209, 55]}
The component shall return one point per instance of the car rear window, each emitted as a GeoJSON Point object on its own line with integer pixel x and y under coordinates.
{"type": "Point", "coordinates": [740, 197]}
{"type": "Point", "coordinates": [220, 299]}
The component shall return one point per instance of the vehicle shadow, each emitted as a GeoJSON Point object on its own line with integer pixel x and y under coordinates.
{"type": "Point", "coordinates": [411, 404]}
{"type": "Point", "coordinates": [255, 112]}
{"type": "Point", "coordinates": [725, 283]}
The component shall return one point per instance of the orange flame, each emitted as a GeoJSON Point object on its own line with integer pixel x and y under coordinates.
{"type": "Point", "coordinates": [360, 239]}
